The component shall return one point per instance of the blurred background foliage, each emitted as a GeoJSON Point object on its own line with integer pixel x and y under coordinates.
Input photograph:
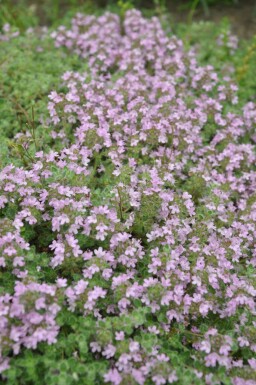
{"type": "Point", "coordinates": [26, 13]}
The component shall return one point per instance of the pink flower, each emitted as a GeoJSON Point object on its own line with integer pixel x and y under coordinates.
{"type": "Point", "coordinates": [113, 377]}
{"type": "Point", "coordinates": [109, 351]}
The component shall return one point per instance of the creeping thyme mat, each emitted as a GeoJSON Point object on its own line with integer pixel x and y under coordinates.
{"type": "Point", "coordinates": [128, 249]}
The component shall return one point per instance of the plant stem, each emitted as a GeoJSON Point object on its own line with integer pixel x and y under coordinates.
{"type": "Point", "coordinates": [120, 204]}
{"type": "Point", "coordinates": [205, 7]}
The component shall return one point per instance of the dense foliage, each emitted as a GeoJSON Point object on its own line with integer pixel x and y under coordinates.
{"type": "Point", "coordinates": [127, 219]}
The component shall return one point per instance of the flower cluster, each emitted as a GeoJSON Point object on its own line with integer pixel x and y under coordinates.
{"type": "Point", "coordinates": [7, 33]}
{"type": "Point", "coordinates": [27, 318]}
{"type": "Point", "coordinates": [229, 41]}
{"type": "Point", "coordinates": [147, 212]}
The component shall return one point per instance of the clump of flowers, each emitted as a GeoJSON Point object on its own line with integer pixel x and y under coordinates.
{"type": "Point", "coordinates": [27, 318]}
{"type": "Point", "coordinates": [229, 41]}
{"type": "Point", "coordinates": [146, 213]}
{"type": "Point", "coordinates": [8, 33]}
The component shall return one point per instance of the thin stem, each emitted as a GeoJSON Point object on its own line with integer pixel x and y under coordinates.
{"type": "Point", "coordinates": [120, 204]}
{"type": "Point", "coordinates": [205, 7]}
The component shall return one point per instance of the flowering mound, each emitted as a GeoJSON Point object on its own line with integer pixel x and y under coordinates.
{"type": "Point", "coordinates": [143, 224]}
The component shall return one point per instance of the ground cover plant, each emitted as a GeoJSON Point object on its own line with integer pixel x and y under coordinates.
{"type": "Point", "coordinates": [127, 210]}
